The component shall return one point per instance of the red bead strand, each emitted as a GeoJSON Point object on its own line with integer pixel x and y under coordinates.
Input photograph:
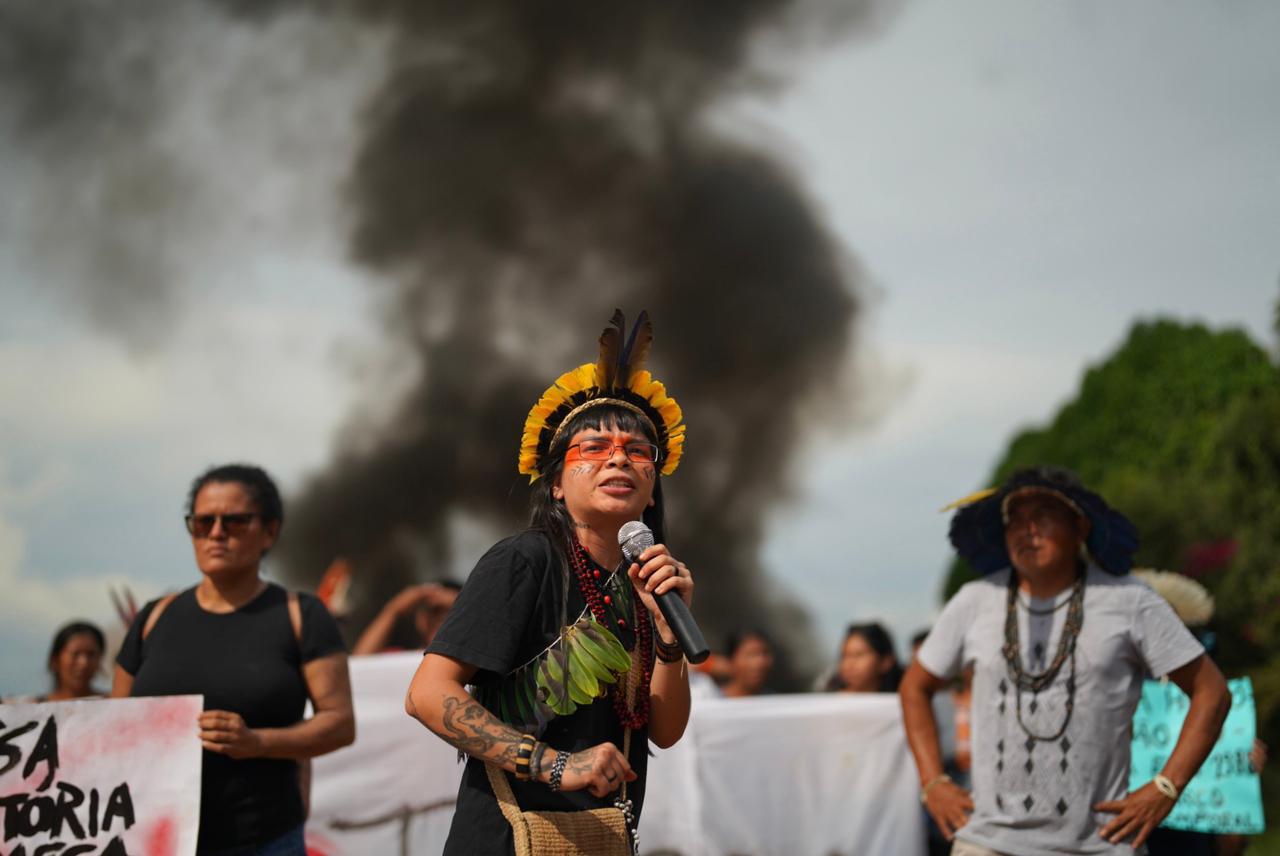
{"type": "Point", "coordinates": [636, 716]}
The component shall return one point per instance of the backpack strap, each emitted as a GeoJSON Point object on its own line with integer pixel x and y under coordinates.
{"type": "Point", "coordinates": [161, 605]}
{"type": "Point", "coordinates": [304, 765]}
{"type": "Point", "coordinates": [295, 617]}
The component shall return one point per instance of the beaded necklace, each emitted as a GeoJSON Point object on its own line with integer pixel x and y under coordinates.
{"type": "Point", "coordinates": [622, 603]}
{"type": "Point", "coordinates": [1024, 680]}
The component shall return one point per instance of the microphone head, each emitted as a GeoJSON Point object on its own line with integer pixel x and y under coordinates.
{"type": "Point", "coordinates": [634, 537]}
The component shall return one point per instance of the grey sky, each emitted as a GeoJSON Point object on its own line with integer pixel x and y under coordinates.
{"type": "Point", "coordinates": [1022, 180]}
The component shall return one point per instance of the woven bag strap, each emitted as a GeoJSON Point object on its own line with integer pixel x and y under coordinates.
{"type": "Point", "coordinates": [510, 809]}
{"type": "Point", "coordinates": [633, 681]}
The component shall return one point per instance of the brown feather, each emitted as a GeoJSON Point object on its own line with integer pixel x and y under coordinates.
{"type": "Point", "coordinates": [610, 347]}
{"type": "Point", "coordinates": [636, 353]}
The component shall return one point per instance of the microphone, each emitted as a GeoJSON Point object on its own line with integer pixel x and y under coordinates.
{"type": "Point", "coordinates": [634, 538]}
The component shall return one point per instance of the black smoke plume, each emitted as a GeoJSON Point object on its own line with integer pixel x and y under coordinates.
{"type": "Point", "coordinates": [80, 90]}
{"type": "Point", "coordinates": [524, 167]}
{"type": "Point", "coordinates": [527, 168]}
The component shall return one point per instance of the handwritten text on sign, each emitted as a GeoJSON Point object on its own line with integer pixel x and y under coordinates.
{"type": "Point", "coordinates": [109, 777]}
{"type": "Point", "coordinates": [1225, 795]}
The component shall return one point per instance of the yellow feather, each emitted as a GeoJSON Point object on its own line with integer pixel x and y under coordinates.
{"type": "Point", "coordinates": [641, 383]}
{"type": "Point", "coordinates": [970, 499]}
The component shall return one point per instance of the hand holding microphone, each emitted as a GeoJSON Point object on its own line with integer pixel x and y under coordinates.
{"type": "Point", "coordinates": [635, 538]}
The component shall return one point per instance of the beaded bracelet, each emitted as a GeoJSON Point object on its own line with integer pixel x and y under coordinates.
{"type": "Point", "coordinates": [523, 754]}
{"type": "Point", "coordinates": [557, 769]}
{"type": "Point", "coordinates": [668, 652]}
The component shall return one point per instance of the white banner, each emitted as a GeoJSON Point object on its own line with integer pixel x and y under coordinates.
{"type": "Point", "coordinates": [107, 777]}
{"type": "Point", "coordinates": [820, 774]}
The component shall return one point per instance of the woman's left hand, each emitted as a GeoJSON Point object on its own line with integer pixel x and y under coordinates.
{"type": "Point", "coordinates": [658, 572]}
{"type": "Point", "coordinates": [224, 732]}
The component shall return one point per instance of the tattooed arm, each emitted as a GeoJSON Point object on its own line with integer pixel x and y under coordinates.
{"type": "Point", "coordinates": [438, 699]}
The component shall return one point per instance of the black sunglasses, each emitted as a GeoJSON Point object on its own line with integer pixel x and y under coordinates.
{"type": "Point", "coordinates": [235, 525]}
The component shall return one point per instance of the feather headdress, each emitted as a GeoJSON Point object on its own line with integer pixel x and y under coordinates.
{"type": "Point", "coordinates": [618, 377]}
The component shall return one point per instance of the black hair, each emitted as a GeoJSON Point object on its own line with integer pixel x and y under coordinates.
{"type": "Point", "coordinates": [881, 641]}
{"type": "Point", "coordinates": [253, 479]}
{"type": "Point", "coordinates": [548, 514]}
{"type": "Point", "coordinates": [917, 638]}
{"type": "Point", "coordinates": [734, 640]}
{"type": "Point", "coordinates": [64, 636]}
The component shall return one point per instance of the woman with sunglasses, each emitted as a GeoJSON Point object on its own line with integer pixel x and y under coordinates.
{"type": "Point", "coordinates": [256, 653]}
{"type": "Point", "coordinates": [573, 668]}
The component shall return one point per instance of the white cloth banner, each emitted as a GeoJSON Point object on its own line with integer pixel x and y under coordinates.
{"type": "Point", "coordinates": [801, 774]}
{"type": "Point", "coordinates": [106, 777]}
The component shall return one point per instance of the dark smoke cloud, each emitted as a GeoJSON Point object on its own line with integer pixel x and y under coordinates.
{"type": "Point", "coordinates": [144, 143]}
{"type": "Point", "coordinates": [80, 90]}
{"type": "Point", "coordinates": [524, 168]}
{"type": "Point", "coordinates": [527, 167]}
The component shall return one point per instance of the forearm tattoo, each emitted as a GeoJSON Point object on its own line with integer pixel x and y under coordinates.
{"type": "Point", "coordinates": [473, 730]}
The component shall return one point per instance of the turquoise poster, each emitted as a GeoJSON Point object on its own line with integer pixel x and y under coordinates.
{"type": "Point", "coordinates": [1225, 796]}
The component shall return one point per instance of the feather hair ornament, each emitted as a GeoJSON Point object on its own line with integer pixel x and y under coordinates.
{"type": "Point", "coordinates": [618, 377]}
{"type": "Point", "coordinates": [1189, 599]}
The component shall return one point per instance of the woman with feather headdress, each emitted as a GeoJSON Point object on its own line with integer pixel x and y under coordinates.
{"type": "Point", "coordinates": [572, 668]}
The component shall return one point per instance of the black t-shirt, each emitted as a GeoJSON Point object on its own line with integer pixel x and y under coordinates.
{"type": "Point", "coordinates": [509, 611]}
{"type": "Point", "coordinates": [247, 661]}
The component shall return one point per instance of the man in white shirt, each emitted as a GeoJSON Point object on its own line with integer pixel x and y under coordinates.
{"type": "Point", "coordinates": [1060, 638]}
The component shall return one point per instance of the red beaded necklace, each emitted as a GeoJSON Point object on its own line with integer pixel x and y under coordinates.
{"type": "Point", "coordinates": [636, 715]}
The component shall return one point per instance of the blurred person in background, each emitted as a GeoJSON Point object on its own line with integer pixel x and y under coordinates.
{"type": "Point", "coordinates": [257, 654]}
{"type": "Point", "coordinates": [426, 604]}
{"type": "Point", "coordinates": [75, 659]}
{"type": "Point", "coordinates": [1194, 605]}
{"type": "Point", "coordinates": [868, 661]}
{"type": "Point", "coordinates": [951, 712]}
{"type": "Point", "coordinates": [749, 654]}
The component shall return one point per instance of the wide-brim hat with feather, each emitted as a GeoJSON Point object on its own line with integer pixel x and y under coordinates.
{"type": "Point", "coordinates": [977, 529]}
{"type": "Point", "coordinates": [618, 377]}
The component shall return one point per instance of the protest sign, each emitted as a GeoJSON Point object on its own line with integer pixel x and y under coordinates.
{"type": "Point", "coordinates": [1225, 796]}
{"type": "Point", "coordinates": [105, 777]}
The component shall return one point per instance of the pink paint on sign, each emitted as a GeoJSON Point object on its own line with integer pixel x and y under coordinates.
{"type": "Point", "coordinates": [166, 720]}
{"type": "Point", "coordinates": [162, 838]}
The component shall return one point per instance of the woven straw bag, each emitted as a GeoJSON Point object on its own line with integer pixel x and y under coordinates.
{"type": "Point", "coordinates": [594, 832]}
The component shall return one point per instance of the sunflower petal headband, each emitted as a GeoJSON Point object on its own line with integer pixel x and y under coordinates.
{"type": "Point", "coordinates": [619, 378]}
